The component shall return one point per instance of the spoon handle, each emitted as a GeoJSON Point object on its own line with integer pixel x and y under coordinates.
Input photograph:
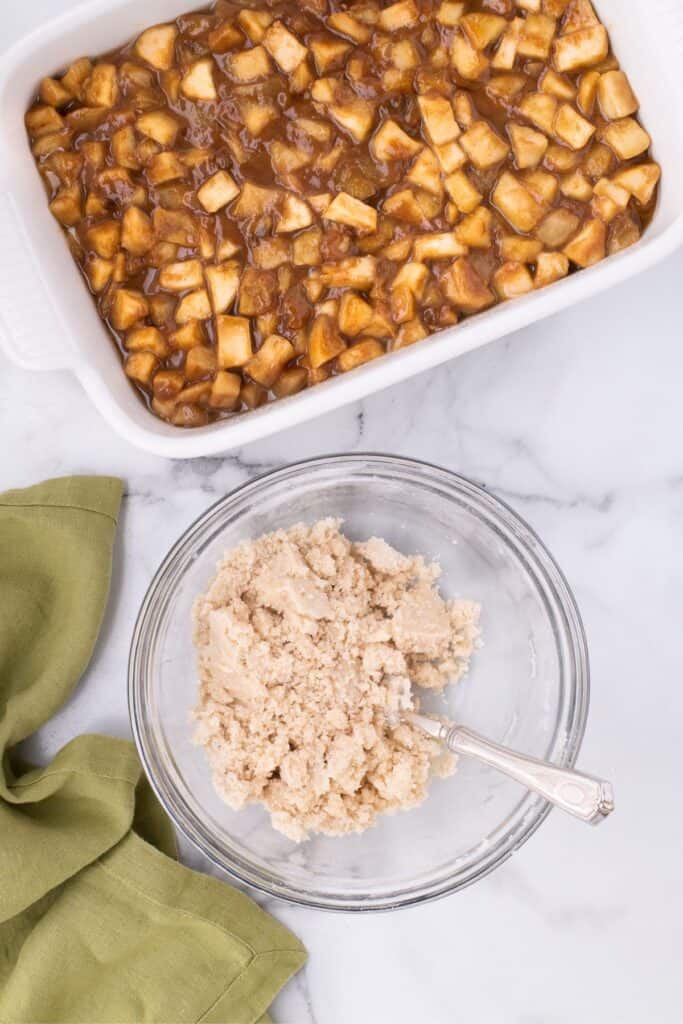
{"type": "Point", "coordinates": [585, 797]}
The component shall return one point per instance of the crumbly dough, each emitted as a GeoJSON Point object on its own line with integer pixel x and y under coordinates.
{"type": "Point", "coordinates": [308, 646]}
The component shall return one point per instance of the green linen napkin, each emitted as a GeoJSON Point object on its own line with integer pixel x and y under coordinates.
{"type": "Point", "coordinates": [98, 924]}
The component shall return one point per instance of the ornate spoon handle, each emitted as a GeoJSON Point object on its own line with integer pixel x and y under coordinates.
{"type": "Point", "coordinates": [584, 796]}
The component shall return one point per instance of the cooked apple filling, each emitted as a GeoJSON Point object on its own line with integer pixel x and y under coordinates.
{"type": "Point", "coordinates": [263, 196]}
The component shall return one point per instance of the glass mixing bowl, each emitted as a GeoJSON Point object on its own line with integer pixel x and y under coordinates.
{"type": "Point", "coordinates": [527, 687]}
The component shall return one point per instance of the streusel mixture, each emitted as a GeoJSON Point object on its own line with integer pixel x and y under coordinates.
{"type": "Point", "coordinates": [308, 646]}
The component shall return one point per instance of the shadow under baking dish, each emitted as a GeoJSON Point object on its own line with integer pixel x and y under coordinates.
{"type": "Point", "coordinates": [528, 685]}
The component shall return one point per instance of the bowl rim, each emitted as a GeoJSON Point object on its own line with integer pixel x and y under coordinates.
{"type": "Point", "coordinates": [530, 812]}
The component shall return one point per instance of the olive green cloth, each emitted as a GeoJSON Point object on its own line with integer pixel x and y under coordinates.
{"type": "Point", "coordinates": [98, 924]}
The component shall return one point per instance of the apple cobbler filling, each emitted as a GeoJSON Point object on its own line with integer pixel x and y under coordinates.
{"type": "Point", "coordinates": [263, 196]}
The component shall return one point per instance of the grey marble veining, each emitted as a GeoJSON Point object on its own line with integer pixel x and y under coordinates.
{"type": "Point", "coordinates": [577, 423]}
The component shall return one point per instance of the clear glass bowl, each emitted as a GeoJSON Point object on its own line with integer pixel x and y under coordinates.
{"type": "Point", "coordinates": [528, 685]}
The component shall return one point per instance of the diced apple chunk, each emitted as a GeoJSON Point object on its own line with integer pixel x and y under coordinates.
{"type": "Point", "coordinates": [295, 214]}
{"type": "Point", "coordinates": [506, 87]}
{"type": "Point", "coordinates": [450, 157]}
{"type": "Point", "coordinates": [390, 142]}
{"type": "Point", "coordinates": [482, 29]}
{"type": "Point", "coordinates": [356, 117]}
{"type": "Point", "coordinates": [217, 192]}
{"type": "Point", "coordinates": [355, 314]}
{"type": "Point", "coordinates": [284, 47]}
{"type": "Point", "coordinates": [505, 55]}
{"type": "Point", "coordinates": [53, 93]}
{"type": "Point", "coordinates": [160, 126]}
{"type": "Point", "coordinates": [449, 13]}
{"type": "Point", "coordinates": [67, 206]}
{"type": "Point", "coordinates": [356, 355]}
{"type": "Point", "coordinates": [540, 108]}
{"type": "Point", "coordinates": [224, 37]}
{"type": "Point", "coordinates": [345, 209]}
{"type": "Point", "coordinates": [483, 146]}
{"type": "Point", "coordinates": [512, 280]}
{"type": "Point", "coordinates": [189, 335]}
{"type": "Point", "coordinates": [516, 249]}
{"type": "Point", "coordinates": [290, 382]}
{"type": "Point", "coordinates": [101, 89]}
{"type": "Point", "coordinates": [408, 334]}
{"type": "Point", "coordinates": [75, 77]}
{"type": "Point", "coordinates": [468, 62]}
{"type": "Point", "coordinates": [528, 145]}
{"type": "Point", "coordinates": [175, 226]}
{"type": "Point", "coordinates": [141, 366]}
{"type": "Point", "coordinates": [403, 14]}
{"type": "Point", "coordinates": [609, 199]}
{"type": "Point", "coordinates": [615, 96]}
{"type": "Point", "coordinates": [43, 121]}
{"type": "Point", "coordinates": [557, 228]}
{"type": "Point", "coordinates": [250, 65]}
{"type": "Point", "coordinates": [306, 248]}
{"type": "Point", "coordinates": [200, 362]}
{"type": "Point", "coordinates": [198, 83]}
{"type": "Point", "coordinates": [165, 167]}
{"type": "Point", "coordinates": [626, 138]}
{"type": "Point", "coordinates": [438, 119]}
{"type": "Point", "coordinates": [557, 85]}
{"type": "Point", "coordinates": [328, 53]}
{"type": "Point", "coordinates": [99, 272]}
{"type": "Point", "coordinates": [474, 231]}
{"type": "Point", "coordinates": [639, 180]}
{"type": "Point", "coordinates": [137, 236]}
{"type": "Point", "coordinates": [589, 245]}
{"type": "Point", "coordinates": [254, 23]}
{"type": "Point", "coordinates": [157, 46]}
{"type": "Point", "coordinates": [576, 186]}
{"type": "Point", "coordinates": [572, 128]}
{"type": "Point", "coordinates": [425, 173]}
{"type": "Point", "coordinates": [146, 339]}
{"type": "Point", "coordinates": [324, 341]}
{"type": "Point", "coordinates": [124, 148]}
{"type": "Point", "coordinates": [354, 272]}
{"type": "Point", "coordinates": [104, 238]}
{"type": "Point", "coordinates": [233, 334]}
{"type": "Point", "coordinates": [183, 276]}
{"type": "Point", "coordinates": [465, 288]}
{"type": "Point", "coordinates": [587, 92]}
{"type": "Point", "coordinates": [225, 390]}
{"type": "Point", "coordinates": [550, 267]}
{"type": "Point", "coordinates": [128, 307]}
{"type": "Point", "coordinates": [167, 384]}
{"type": "Point", "coordinates": [585, 48]}
{"type": "Point", "coordinates": [404, 205]}
{"type": "Point", "coordinates": [516, 203]}
{"type": "Point", "coordinates": [413, 276]}
{"type": "Point", "coordinates": [560, 158]}
{"type": "Point", "coordinates": [462, 192]}
{"type": "Point", "coordinates": [438, 246]}
{"type": "Point", "coordinates": [579, 14]}
{"type": "Point", "coordinates": [536, 36]}
{"type": "Point", "coordinates": [272, 357]}
{"type": "Point", "coordinates": [195, 306]}
{"type": "Point", "coordinates": [223, 283]}
{"type": "Point", "coordinates": [346, 25]}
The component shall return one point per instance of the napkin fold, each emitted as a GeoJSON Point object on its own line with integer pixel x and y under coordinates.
{"type": "Point", "coordinates": [98, 923]}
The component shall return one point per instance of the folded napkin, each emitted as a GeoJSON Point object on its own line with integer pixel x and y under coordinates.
{"type": "Point", "coordinates": [98, 923]}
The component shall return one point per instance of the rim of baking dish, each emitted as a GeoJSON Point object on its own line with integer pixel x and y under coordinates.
{"type": "Point", "coordinates": [570, 640]}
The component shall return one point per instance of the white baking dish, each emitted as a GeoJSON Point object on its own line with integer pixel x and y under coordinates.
{"type": "Point", "coordinates": [48, 320]}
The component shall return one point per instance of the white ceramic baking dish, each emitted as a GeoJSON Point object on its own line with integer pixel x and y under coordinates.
{"type": "Point", "coordinates": [48, 320]}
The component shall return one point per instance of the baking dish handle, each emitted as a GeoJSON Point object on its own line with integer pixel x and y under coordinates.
{"type": "Point", "coordinates": [31, 332]}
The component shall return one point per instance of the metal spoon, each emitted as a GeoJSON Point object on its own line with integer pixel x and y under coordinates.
{"type": "Point", "coordinates": [585, 797]}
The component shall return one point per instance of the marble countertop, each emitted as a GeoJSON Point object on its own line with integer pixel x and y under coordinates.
{"type": "Point", "coordinates": [576, 422]}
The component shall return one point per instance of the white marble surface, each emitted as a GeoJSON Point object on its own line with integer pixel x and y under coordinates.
{"type": "Point", "coordinates": [577, 423]}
